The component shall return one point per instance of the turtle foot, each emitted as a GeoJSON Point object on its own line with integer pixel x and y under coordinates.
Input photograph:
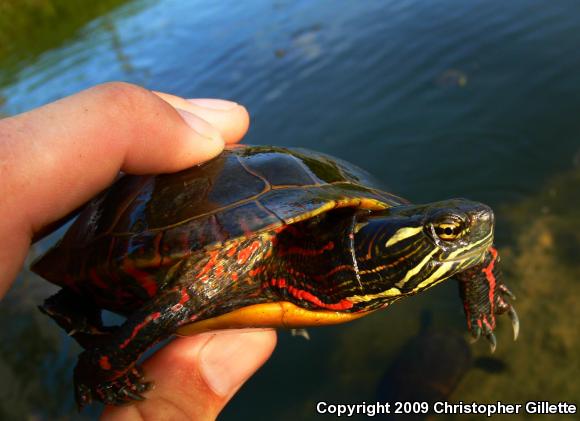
{"type": "Point", "coordinates": [485, 296]}
{"type": "Point", "coordinates": [121, 390]}
{"type": "Point", "coordinates": [483, 324]}
{"type": "Point", "coordinates": [78, 318]}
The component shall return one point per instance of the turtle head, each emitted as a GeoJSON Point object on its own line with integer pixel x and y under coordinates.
{"type": "Point", "coordinates": [406, 249]}
{"type": "Point", "coordinates": [459, 229]}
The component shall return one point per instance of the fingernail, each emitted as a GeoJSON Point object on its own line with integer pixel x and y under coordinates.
{"type": "Point", "coordinates": [214, 104]}
{"type": "Point", "coordinates": [201, 127]}
{"type": "Point", "coordinates": [229, 359]}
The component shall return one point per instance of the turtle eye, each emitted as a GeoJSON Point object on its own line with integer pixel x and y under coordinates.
{"type": "Point", "coordinates": [448, 230]}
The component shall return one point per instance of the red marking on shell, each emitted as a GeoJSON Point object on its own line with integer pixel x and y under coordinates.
{"type": "Point", "coordinates": [104, 363]}
{"type": "Point", "coordinates": [488, 271]}
{"type": "Point", "coordinates": [234, 277]}
{"type": "Point", "coordinates": [232, 250]}
{"type": "Point", "coordinates": [245, 253]}
{"type": "Point", "coordinates": [136, 329]}
{"type": "Point", "coordinates": [176, 307]}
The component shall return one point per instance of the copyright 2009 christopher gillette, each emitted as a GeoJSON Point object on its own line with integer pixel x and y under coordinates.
{"type": "Point", "coordinates": [467, 408]}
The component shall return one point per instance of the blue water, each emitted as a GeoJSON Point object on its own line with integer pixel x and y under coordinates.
{"type": "Point", "coordinates": [438, 99]}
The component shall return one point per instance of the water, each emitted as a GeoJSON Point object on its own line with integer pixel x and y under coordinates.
{"type": "Point", "coordinates": [438, 99]}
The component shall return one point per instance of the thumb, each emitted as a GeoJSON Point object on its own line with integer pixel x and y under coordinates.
{"type": "Point", "coordinates": [56, 157]}
{"type": "Point", "coordinates": [195, 377]}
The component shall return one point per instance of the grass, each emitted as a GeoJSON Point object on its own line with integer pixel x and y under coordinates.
{"type": "Point", "coordinates": [30, 27]}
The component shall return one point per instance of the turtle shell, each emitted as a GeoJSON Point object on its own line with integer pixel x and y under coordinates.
{"type": "Point", "coordinates": [152, 222]}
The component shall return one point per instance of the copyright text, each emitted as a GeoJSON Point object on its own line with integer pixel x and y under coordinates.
{"type": "Point", "coordinates": [487, 409]}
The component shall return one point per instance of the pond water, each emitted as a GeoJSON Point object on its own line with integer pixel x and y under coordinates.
{"type": "Point", "coordinates": [438, 99]}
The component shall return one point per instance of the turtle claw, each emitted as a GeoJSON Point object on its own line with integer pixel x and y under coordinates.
{"type": "Point", "coordinates": [515, 322]}
{"type": "Point", "coordinates": [133, 395]}
{"type": "Point", "coordinates": [475, 334]}
{"type": "Point", "coordinates": [492, 341]}
{"type": "Point", "coordinates": [505, 290]}
{"type": "Point", "coordinates": [300, 332]}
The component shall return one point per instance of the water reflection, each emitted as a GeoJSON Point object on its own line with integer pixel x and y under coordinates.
{"type": "Point", "coordinates": [31, 28]}
{"type": "Point", "coordinates": [117, 46]}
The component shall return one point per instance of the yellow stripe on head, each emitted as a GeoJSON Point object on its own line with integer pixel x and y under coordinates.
{"type": "Point", "coordinates": [403, 233]}
{"type": "Point", "coordinates": [436, 277]}
{"type": "Point", "coordinates": [412, 272]}
{"type": "Point", "coordinates": [486, 239]}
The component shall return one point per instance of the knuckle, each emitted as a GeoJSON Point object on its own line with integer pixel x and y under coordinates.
{"type": "Point", "coordinates": [124, 98]}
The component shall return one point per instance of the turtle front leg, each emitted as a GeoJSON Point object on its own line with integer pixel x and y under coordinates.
{"type": "Point", "coordinates": [484, 296]}
{"type": "Point", "coordinates": [109, 373]}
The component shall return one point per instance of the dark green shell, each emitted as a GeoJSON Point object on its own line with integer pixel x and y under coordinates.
{"type": "Point", "coordinates": [245, 190]}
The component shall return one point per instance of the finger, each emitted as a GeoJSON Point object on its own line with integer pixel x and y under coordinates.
{"type": "Point", "coordinates": [196, 377]}
{"type": "Point", "coordinates": [55, 158]}
{"type": "Point", "coordinates": [231, 119]}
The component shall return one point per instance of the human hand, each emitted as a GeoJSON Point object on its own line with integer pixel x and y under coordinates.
{"type": "Point", "coordinates": [55, 158]}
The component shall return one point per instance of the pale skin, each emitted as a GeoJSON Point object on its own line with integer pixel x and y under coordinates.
{"type": "Point", "coordinates": [56, 157]}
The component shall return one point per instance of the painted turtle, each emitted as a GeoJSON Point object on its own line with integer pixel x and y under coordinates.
{"type": "Point", "coordinates": [259, 236]}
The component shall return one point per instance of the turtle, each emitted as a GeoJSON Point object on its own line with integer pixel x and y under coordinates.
{"type": "Point", "coordinates": [260, 236]}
